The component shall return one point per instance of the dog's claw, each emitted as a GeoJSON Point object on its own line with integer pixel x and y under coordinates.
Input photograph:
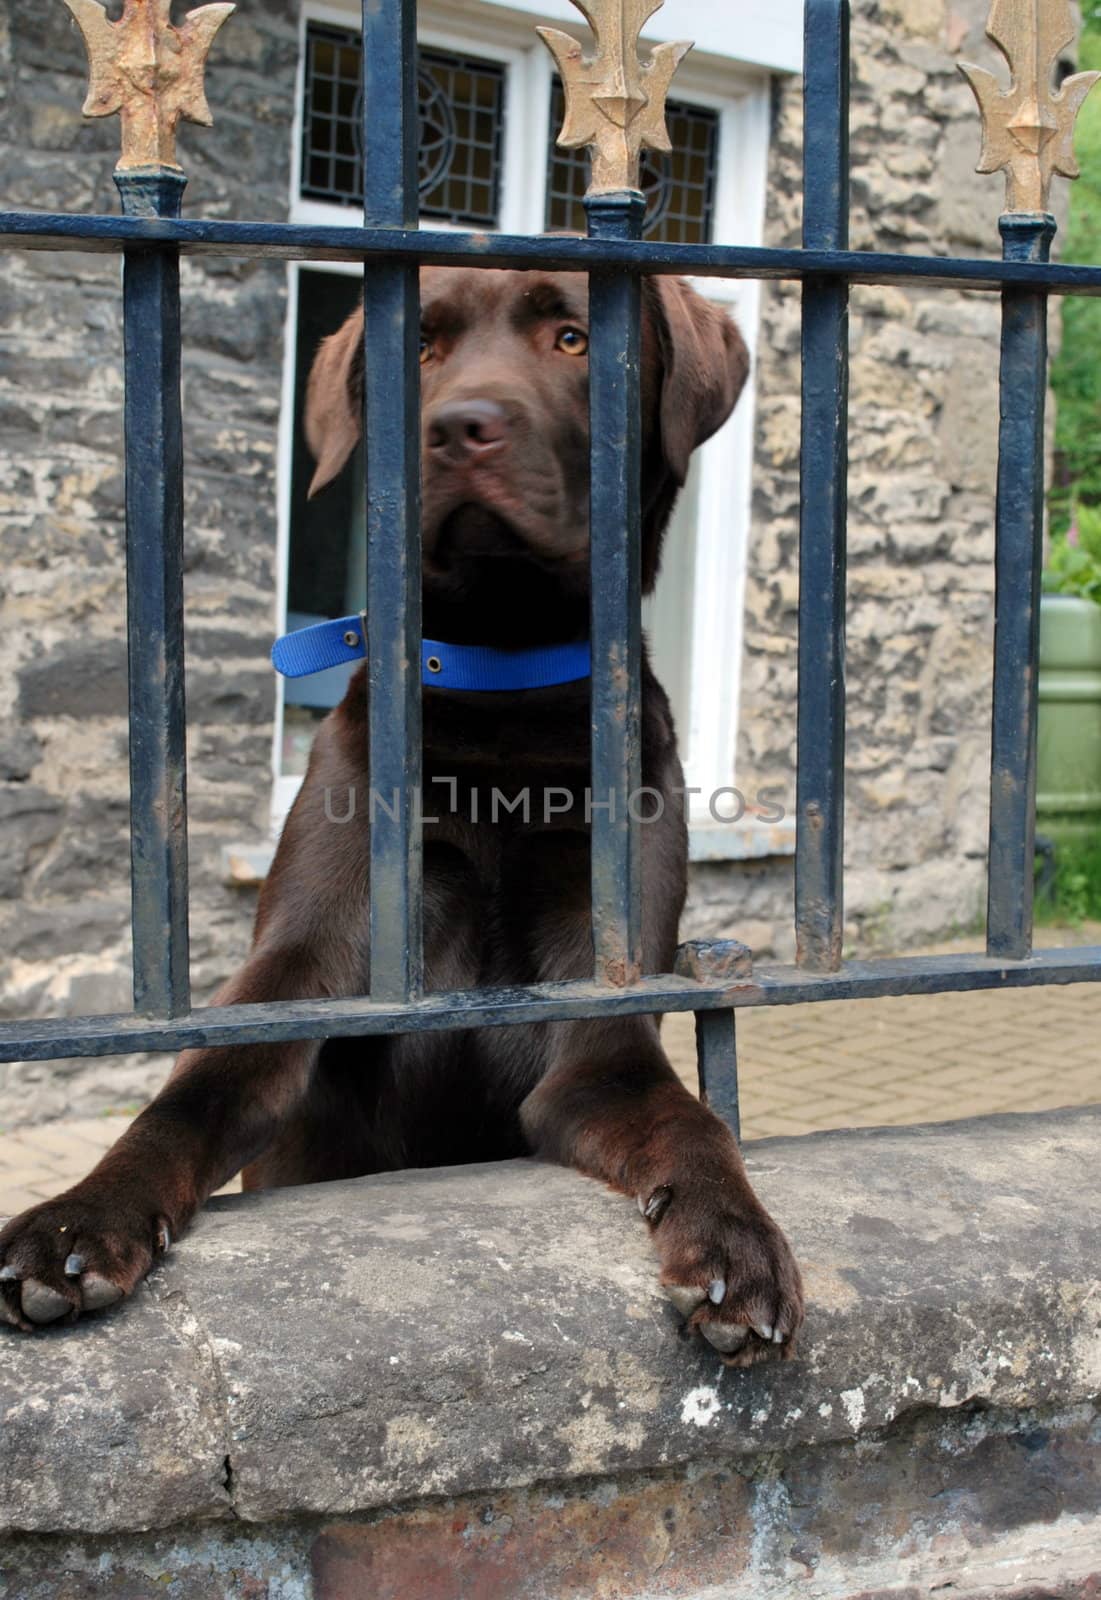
{"type": "Point", "coordinates": [777, 1337]}
{"type": "Point", "coordinates": [8, 1275]}
{"type": "Point", "coordinates": [684, 1297]}
{"type": "Point", "coordinates": [164, 1238]}
{"type": "Point", "coordinates": [726, 1337]}
{"type": "Point", "coordinates": [765, 1331]}
{"type": "Point", "coordinates": [42, 1304]}
{"type": "Point", "coordinates": [716, 1291]}
{"type": "Point", "coordinates": [75, 1266]}
{"type": "Point", "coordinates": [655, 1207]}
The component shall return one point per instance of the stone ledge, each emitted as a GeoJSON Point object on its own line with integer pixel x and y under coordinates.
{"type": "Point", "coordinates": [245, 865]}
{"type": "Point", "coordinates": [353, 1346]}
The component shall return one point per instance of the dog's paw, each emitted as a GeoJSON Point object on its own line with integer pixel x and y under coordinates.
{"type": "Point", "coordinates": [730, 1274]}
{"type": "Point", "coordinates": [74, 1254]}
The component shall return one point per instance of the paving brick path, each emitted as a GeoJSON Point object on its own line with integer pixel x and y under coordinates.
{"type": "Point", "coordinates": [866, 1063]}
{"type": "Point", "coordinates": [854, 1063]}
{"type": "Point", "coordinates": [37, 1163]}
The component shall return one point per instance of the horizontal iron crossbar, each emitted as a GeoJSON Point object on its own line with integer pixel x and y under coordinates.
{"type": "Point", "coordinates": [31, 230]}
{"type": "Point", "coordinates": [548, 1002]}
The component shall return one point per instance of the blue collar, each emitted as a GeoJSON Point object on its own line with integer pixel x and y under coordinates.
{"type": "Point", "coordinates": [443, 666]}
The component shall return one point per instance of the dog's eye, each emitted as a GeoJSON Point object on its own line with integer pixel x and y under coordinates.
{"type": "Point", "coordinates": [572, 342]}
{"type": "Point", "coordinates": [426, 351]}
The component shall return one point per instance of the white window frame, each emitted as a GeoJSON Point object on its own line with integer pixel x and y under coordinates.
{"type": "Point", "coordinates": [741, 96]}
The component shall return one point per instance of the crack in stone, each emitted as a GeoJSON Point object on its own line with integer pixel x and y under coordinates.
{"type": "Point", "coordinates": [175, 1304]}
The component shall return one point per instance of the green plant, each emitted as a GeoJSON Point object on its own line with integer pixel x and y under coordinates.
{"type": "Point", "coordinates": [1074, 566]}
{"type": "Point", "coordinates": [1076, 373]}
{"type": "Point", "coordinates": [1074, 894]}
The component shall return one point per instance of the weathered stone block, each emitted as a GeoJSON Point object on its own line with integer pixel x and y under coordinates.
{"type": "Point", "coordinates": [80, 678]}
{"type": "Point", "coordinates": [141, 1416]}
{"type": "Point", "coordinates": [465, 1385]}
{"type": "Point", "coordinates": [19, 751]}
{"type": "Point", "coordinates": [29, 819]}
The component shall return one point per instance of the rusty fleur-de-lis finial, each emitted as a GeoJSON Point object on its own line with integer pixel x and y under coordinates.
{"type": "Point", "coordinates": [148, 71]}
{"type": "Point", "coordinates": [1028, 129]}
{"type": "Point", "coordinates": [615, 103]}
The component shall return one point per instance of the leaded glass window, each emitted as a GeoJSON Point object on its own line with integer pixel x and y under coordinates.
{"type": "Point", "coordinates": [679, 188]}
{"type": "Point", "coordinates": [462, 114]}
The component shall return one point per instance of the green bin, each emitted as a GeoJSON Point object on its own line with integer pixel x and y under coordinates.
{"type": "Point", "coordinates": [1068, 787]}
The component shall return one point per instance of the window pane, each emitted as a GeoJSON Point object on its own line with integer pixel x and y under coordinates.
{"type": "Point", "coordinates": [328, 542]}
{"type": "Point", "coordinates": [679, 188]}
{"type": "Point", "coordinates": [667, 616]}
{"type": "Point", "coordinates": [462, 111]}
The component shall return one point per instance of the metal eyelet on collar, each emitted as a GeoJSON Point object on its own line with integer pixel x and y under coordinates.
{"type": "Point", "coordinates": [434, 664]}
{"type": "Point", "coordinates": [351, 639]}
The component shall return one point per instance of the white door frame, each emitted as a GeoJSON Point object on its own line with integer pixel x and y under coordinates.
{"type": "Point", "coordinates": [742, 98]}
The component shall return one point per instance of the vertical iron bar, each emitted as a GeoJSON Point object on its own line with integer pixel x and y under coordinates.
{"type": "Point", "coordinates": [820, 805]}
{"type": "Point", "coordinates": [717, 1060]}
{"type": "Point", "coordinates": [392, 449]}
{"type": "Point", "coordinates": [1019, 529]}
{"type": "Point", "coordinates": [154, 589]}
{"type": "Point", "coordinates": [616, 540]}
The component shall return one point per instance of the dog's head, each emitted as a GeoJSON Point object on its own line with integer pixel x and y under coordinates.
{"type": "Point", "coordinates": [505, 432]}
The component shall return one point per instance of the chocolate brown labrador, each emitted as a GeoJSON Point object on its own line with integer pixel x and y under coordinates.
{"type": "Point", "coordinates": [507, 895]}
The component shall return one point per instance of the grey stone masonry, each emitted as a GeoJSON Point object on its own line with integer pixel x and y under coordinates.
{"type": "Point", "coordinates": [64, 895]}
{"type": "Point", "coordinates": [922, 460]}
{"type": "Point", "coordinates": [461, 1340]}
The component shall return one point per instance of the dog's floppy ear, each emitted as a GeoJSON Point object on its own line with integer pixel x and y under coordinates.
{"type": "Point", "coordinates": [334, 400]}
{"type": "Point", "coordinates": [704, 364]}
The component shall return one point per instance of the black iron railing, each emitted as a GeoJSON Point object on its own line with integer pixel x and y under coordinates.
{"type": "Point", "coordinates": [713, 981]}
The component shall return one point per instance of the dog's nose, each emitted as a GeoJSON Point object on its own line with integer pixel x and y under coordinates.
{"type": "Point", "coordinates": [468, 430]}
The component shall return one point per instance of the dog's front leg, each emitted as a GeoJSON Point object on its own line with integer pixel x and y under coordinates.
{"type": "Point", "coordinates": [611, 1105]}
{"type": "Point", "coordinates": [221, 1107]}
{"type": "Point", "coordinates": [95, 1243]}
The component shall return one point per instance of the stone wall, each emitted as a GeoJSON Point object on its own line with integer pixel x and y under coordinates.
{"type": "Point", "coordinates": [922, 452]}
{"type": "Point", "coordinates": [472, 1388]}
{"type": "Point", "coordinates": [64, 909]}
{"type": "Point", "coordinates": [924, 377]}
